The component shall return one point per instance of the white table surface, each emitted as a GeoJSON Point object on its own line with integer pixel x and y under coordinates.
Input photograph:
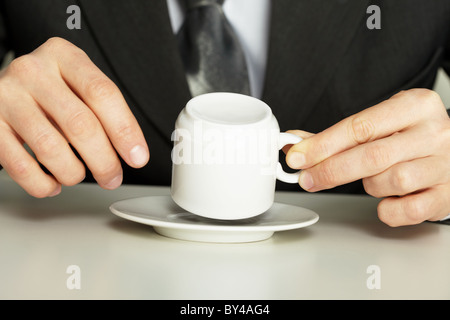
{"type": "Point", "coordinates": [120, 259]}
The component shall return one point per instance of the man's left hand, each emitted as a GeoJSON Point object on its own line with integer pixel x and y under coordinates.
{"type": "Point", "coordinates": [400, 149]}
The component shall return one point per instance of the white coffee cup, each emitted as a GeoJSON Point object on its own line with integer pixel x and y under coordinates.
{"type": "Point", "coordinates": [225, 156]}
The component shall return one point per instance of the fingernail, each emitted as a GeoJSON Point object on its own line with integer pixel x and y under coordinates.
{"type": "Point", "coordinates": [114, 183]}
{"type": "Point", "coordinates": [139, 156]}
{"type": "Point", "coordinates": [296, 160]}
{"type": "Point", "coordinates": [306, 180]}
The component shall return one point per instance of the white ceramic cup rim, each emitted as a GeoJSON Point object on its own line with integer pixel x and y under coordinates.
{"type": "Point", "coordinates": [252, 112]}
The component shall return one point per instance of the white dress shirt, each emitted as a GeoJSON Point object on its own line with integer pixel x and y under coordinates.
{"type": "Point", "coordinates": [250, 20]}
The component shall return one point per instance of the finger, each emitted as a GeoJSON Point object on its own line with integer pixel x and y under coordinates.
{"type": "Point", "coordinates": [22, 168]}
{"type": "Point", "coordinates": [408, 177]}
{"type": "Point", "coordinates": [82, 128]}
{"type": "Point", "coordinates": [106, 101]}
{"type": "Point", "coordinates": [302, 134]}
{"type": "Point", "coordinates": [366, 160]}
{"type": "Point", "coordinates": [49, 147]}
{"type": "Point", "coordinates": [432, 204]}
{"type": "Point", "coordinates": [368, 125]}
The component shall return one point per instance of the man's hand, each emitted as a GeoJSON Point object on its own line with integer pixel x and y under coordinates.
{"type": "Point", "coordinates": [400, 149]}
{"type": "Point", "coordinates": [56, 96]}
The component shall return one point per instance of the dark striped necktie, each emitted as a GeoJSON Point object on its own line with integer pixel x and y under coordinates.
{"type": "Point", "coordinates": [212, 55]}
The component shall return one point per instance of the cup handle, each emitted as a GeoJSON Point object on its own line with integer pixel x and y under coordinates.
{"type": "Point", "coordinates": [285, 139]}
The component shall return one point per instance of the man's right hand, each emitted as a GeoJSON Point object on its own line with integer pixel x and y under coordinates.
{"type": "Point", "coordinates": [55, 97]}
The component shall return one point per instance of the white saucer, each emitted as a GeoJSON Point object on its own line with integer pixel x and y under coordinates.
{"type": "Point", "coordinates": [169, 220]}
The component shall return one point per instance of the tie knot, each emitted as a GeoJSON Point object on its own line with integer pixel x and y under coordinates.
{"type": "Point", "coordinates": [192, 4]}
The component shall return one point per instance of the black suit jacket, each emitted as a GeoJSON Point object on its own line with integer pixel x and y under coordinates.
{"type": "Point", "coordinates": [324, 63]}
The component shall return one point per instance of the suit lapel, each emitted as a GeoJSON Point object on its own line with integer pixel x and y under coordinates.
{"type": "Point", "coordinates": [143, 54]}
{"type": "Point", "coordinates": [307, 40]}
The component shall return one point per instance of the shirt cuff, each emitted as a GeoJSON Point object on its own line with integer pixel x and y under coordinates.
{"type": "Point", "coordinates": [446, 218]}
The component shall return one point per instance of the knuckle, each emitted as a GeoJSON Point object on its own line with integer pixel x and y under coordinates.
{"type": "Point", "coordinates": [427, 95]}
{"type": "Point", "coordinates": [361, 130]}
{"type": "Point", "coordinates": [82, 125]}
{"type": "Point", "coordinates": [19, 169]}
{"type": "Point", "coordinates": [323, 148]}
{"type": "Point", "coordinates": [57, 48]}
{"type": "Point", "coordinates": [124, 132]}
{"type": "Point", "coordinates": [425, 98]}
{"type": "Point", "coordinates": [46, 144]}
{"type": "Point", "coordinates": [56, 44]}
{"type": "Point", "coordinates": [432, 101]}
{"type": "Point", "coordinates": [26, 65]}
{"type": "Point", "coordinates": [402, 181]}
{"type": "Point", "coordinates": [377, 156]}
{"type": "Point", "coordinates": [327, 176]}
{"type": "Point", "coordinates": [100, 88]}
